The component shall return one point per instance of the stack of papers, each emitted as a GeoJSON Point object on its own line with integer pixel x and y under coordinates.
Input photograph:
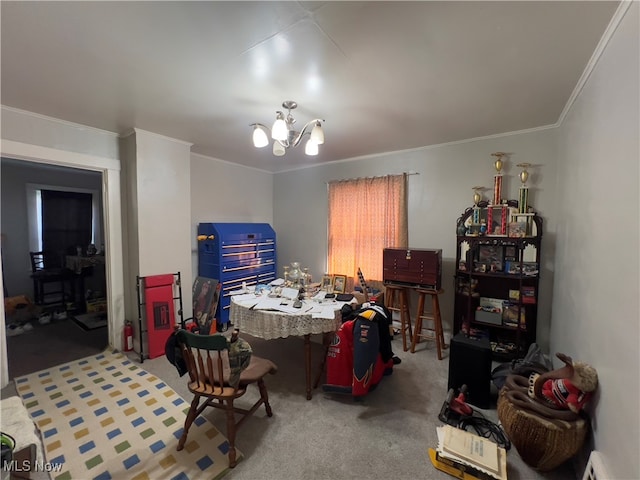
{"type": "Point", "coordinates": [290, 293]}
{"type": "Point", "coordinates": [279, 305]}
{"type": "Point", "coordinates": [478, 456]}
{"type": "Point", "coordinates": [246, 299]}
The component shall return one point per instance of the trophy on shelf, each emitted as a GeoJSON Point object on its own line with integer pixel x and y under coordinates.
{"type": "Point", "coordinates": [521, 224]}
{"type": "Point", "coordinates": [477, 197]}
{"type": "Point", "coordinates": [523, 199]}
{"type": "Point", "coordinates": [476, 222]}
{"type": "Point", "coordinates": [497, 178]}
{"type": "Point", "coordinates": [500, 229]}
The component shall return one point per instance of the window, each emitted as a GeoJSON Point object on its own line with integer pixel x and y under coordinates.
{"type": "Point", "coordinates": [66, 222]}
{"type": "Point", "coordinates": [366, 215]}
{"type": "Point", "coordinates": [38, 223]}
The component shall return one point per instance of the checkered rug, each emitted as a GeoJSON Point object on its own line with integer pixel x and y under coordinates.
{"type": "Point", "coordinates": [103, 417]}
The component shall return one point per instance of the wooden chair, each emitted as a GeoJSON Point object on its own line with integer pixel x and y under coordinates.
{"type": "Point", "coordinates": [216, 374]}
{"type": "Point", "coordinates": [42, 274]}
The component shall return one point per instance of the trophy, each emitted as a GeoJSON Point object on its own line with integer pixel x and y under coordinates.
{"type": "Point", "coordinates": [497, 178]}
{"type": "Point", "coordinates": [477, 197]}
{"type": "Point", "coordinates": [497, 198]}
{"type": "Point", "coordinates": [523, 199]}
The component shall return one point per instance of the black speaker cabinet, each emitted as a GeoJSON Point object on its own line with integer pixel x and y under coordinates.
{"type": "Point", "coordinates": [470, 365]}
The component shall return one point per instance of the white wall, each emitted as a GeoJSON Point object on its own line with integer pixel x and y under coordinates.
{"type": "Point", "coordinates": [595, 299]}
{"type": "Point", "coordinates": [163, 206]}
{"type": "Point", "coordinates": [130, 259]}
{"type": "Point", "coordinates": [225, 192]}
{"type": "Point", "coordinates": [438, 195]}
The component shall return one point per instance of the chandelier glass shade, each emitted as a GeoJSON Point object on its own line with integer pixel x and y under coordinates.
{"type": "Point", "coordinates": [284, 134]}
{"type": "Point", "coordinates": [260, 138]}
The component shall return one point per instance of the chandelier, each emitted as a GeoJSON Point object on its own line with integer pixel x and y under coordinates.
{"type": "Point", "coordinates": [285, 136]}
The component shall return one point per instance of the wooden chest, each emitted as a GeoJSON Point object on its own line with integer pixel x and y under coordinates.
{"type": "Point", "coordinates": [412, 267]}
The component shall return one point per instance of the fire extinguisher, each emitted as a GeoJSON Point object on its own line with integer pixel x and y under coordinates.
{"type": "Point", "coordinates": [128, 336]}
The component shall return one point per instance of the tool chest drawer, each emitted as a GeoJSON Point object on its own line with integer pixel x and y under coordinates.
{"type": "Point", "coordinates": [233, 254]}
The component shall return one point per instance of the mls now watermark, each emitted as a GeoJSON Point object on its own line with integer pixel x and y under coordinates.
{"type": "Point", "coordinates": [30, 466]}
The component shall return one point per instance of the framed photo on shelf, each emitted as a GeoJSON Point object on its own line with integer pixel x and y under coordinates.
{"type": "Point", "coordinates": [518, 229]}
{"type": "Point", "coordinates": [510, 253]}
{"type": "Point", "coordinates": [492, 256]}
{"type": "Point", "coordinates": [510, 315]}
{"type": "Point", "coordinates": [339, 283]}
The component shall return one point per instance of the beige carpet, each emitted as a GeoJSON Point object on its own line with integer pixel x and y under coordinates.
{"type": "Point", "coordinates": [384, 436]}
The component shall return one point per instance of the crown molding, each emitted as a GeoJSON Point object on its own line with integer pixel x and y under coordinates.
{"type": "Point", "coordinates": [57, 120]}
{"type": "Point", "coordinates": [597, 53]}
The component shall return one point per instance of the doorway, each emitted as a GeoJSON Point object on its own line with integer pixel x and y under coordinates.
{"type": "Point", "coordinates": [109, 169]}
{"type": "Point", "coordinates": [56, 216]}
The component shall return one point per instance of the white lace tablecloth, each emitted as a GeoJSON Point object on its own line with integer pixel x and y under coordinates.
{"type": "Point", "coordinates": [269, 324]}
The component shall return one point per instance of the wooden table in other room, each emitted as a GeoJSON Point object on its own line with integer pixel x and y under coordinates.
{"type": "Point", "coordinates": [80, 265]}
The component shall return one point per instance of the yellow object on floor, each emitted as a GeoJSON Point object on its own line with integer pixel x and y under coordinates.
{"type": "Point", "coordinates": [97, 305]}
{"type": "Point", "coordinates": [453, 468]}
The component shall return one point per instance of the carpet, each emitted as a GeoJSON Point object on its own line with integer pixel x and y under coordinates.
{"type": "Point", "coordinates": [103, 417]}
{"type": "Point", "coordinates": [91, 321]}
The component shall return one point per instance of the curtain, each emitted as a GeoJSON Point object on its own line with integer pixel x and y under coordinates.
{"type": "Point", "coordinates": [366, 215]}
{"type": "Point", "coordinates": [66, 223]}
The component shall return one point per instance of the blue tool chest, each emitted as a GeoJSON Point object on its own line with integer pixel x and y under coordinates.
{"type": "Point", "coordinates": [233, 254]}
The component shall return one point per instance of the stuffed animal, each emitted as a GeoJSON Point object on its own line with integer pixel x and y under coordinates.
{"type": "Point", "coordinates": [567, 388]}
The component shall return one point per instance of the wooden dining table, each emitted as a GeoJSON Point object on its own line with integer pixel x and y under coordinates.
{"type": "Point", "coordinates": [311, 318]}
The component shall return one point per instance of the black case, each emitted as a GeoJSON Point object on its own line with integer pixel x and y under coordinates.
{"type": "Point", "coordinates": [344, 297]}
{"type": "Point", "coordinates": [470, 365]}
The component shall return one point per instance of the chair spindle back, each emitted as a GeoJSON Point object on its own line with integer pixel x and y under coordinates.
{"type": "Point", "coordinates": [200, 352]}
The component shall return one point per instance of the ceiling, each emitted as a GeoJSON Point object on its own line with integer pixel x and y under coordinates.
{"type": "Point", "coordinates": [385, 76]}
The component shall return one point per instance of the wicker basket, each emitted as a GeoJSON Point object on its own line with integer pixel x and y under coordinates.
{"type": "Point", "coordinates": [542, 443]}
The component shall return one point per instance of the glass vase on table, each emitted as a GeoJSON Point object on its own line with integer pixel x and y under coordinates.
{"type": "Point", "coordinates": [286, 275]}
{"type": "Point", "coordinates": [295, 274]}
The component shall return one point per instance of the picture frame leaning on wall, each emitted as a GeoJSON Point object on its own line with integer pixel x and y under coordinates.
{"type": "Point", "coordinates": [327, 283]}
{"type": "Point", "coordinates": [339, 283]}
